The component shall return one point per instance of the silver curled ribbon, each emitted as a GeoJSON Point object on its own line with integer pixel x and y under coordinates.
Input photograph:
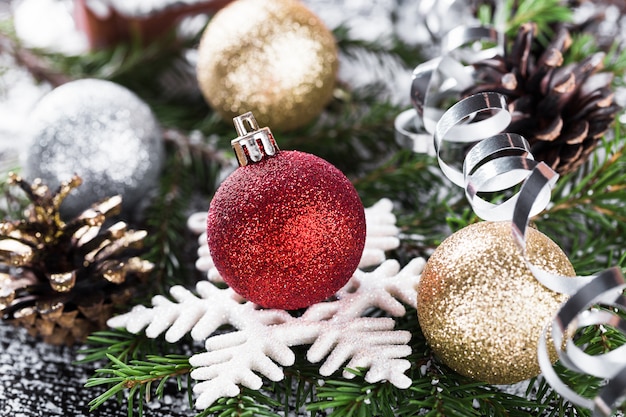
{"type": "Point", "coordinates": [497, 162]}
{"type": "Point", "coordinates": [605, 289]}
{"type": "Point", "coordinates": [440, 79]}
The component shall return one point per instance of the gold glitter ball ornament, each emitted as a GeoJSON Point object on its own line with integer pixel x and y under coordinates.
{"type": "Point", "coordinates": [274, 58]}
{"type": "Point", "coordinates": [479, 306]}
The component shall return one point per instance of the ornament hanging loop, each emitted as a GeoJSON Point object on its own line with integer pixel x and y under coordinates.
{"type": "Point", "coordinates": [253, 144]}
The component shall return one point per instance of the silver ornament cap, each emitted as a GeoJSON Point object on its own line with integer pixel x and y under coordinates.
{"type": "Point", "coordinates": [253, 144]}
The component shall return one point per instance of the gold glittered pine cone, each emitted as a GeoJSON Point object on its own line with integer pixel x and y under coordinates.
{"type": "Point", "coordinates": [61, 280]}
{"type": "Point", "coordinates": [562, 110]}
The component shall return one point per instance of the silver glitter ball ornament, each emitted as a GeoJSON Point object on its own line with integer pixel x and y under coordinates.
{"type": "Point", "coordinates": [101, 131]}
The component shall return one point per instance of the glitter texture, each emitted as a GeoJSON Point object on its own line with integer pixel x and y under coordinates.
{"type": "Point", "coordinates": [479, 306]}
{"type": "Point", "coordinates": [286, 232]}
{"type": "Point", "coordinates": [272, 57]}
{"type": "Point", "coordinates": [100, 131]}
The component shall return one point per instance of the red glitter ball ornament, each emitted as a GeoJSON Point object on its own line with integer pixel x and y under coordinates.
{"type": "Point", "coordinates": [286, 229]}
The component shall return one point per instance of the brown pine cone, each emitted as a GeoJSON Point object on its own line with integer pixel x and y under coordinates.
{"type": "Point", "coordinates": [562, 110]}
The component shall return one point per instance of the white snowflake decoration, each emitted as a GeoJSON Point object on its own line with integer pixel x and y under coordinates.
{"type": "Point", "coordinates": [261, 341]}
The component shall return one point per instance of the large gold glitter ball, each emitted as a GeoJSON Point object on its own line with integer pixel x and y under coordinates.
{"type": "Point", "coordinates": [275, 58]}
{"type": "Point", "coordinates": [479, 306]}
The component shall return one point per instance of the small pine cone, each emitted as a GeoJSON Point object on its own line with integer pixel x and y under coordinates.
{"type": "Point", "coordinates": [562, 110]}
{"type": "Point", "coordinates": [59, 280]}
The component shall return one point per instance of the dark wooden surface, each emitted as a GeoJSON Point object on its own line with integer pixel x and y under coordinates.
{"type": "Point", "coordinates": [38, 380]}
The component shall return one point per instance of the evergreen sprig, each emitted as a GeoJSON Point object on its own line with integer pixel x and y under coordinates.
{"type": "Point", "coordinates": [348, 398]}
{"type": "Point", "coordinates": [250, 403]}
{"type": "Point", "coordinates": [386, 51]}
{"type": "Point", "coordinates": [594, 340]}
{"type": "Point", "coordinates": [190, 169]}
{"type": "Point", "coordinates": [118, 343]}
{"type": "Point", "coordinates": [587, 216]}
{"type": "Point", "coordinates": [584, 44]}
{"type": "Point", "coordinates": [139, 380]}
{"type": "Point", "coordinates": [166, 222]}
{"type": "Point", "coordinates": [414, 181]}
{"type": "Point", "coordinates": [13, 201]}
{"type": "Point", "coordinates": [514, 13]}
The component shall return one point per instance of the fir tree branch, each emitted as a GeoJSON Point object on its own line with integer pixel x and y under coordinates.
{"type": "Point", "coordinates": [118, 343]}
{"type": "Point", "coordinates": [13, 200]}
{"type": "Point", "coordinates": [545, 13]}
{"type": "Point", "coordinates": [201, 159]}
{"type": "Point", "coordinates": [306, 380]}
{"type": "Point", "coordinates": [585, 44]}
{"type": "Point", "coordinates": [166, 223]}
{"type": "Point", "coordinates": [356, 398]}
{"type": "Point", "coordinates": [135, 367]}
{"type": "Point", "coordinates": [191, 168]}
{"type": "Point", "coordinates": [414, 180]}
{"type": "Point", "coordinates": [138, 377]}
{"type": "Point", "coordinates": [588, 217]}
{"type": "Point", "coordinates": [354, 133]}
{"type": "Point", "coordinates": [248, 403]}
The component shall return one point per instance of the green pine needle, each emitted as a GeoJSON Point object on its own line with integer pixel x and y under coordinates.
{"type": "Point", "coordinates": [14, 200]}
{"type": "Point", "coordinates": [587, 216]}
{"type": "Point", "coordinates": [121, 344]}
{"type": "Point", "coordinates": [545, 13]}
{"type": "Point", "coordinates": [136, 377]}
{"type": "Point", "coordinates": [249, 403]}
{"type": "Point", "coordinates": [584, 45]}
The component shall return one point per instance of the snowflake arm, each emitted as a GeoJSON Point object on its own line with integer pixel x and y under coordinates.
{"type": "Point", "coordinates": [368, 343]}
{"type": "Point", "coordinates": [172, 318]}
{"type": "Point", "coordinates": [382, 288]}
{"type": "Point", "coordinates": [381, 233]}
{"type": "Point", "coordinates": [222, 386]}
{"type": "Point", "coordinates": [189, 313]}
{"type": "Point", "coordinates": [391, 369]}
{"type": "Point", "coordinates": [204, 262]}
{"type": "Point", "coordinates": [239, 356]}
{"type": "Point", "coordinates": [235, 358]}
